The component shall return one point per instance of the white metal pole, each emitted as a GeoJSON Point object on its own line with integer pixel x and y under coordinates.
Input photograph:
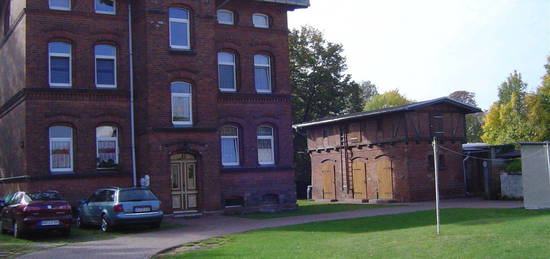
{"type": "Point", "coordinates": [436, 169]}
{"type": "Point", "coordinates": [132, 118]}
{"type": "Point", "coordinates": [548, 158]}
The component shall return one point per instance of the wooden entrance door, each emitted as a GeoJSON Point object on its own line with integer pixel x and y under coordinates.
{"type": "Point", "coordinates": [385, 179]}
{"type": "Point", "coordinates": [184, 182]}
{"type": "Point", "coordinates": [327, 172]}
{"type": "Point", "coordinates": [359, 180]}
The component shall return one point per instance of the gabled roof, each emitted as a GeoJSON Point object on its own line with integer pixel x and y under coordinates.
{"type": "Point", "coordinates": [300, 3]}
{"type": "Point", "coordinates": [407, 107]}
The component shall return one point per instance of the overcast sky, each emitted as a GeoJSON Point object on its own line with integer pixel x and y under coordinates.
{"type": "Point", "coordinates": [430, 48]}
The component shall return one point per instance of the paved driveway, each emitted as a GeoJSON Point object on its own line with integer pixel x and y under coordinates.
{"type": "Point", "coordinates": [148, 244]}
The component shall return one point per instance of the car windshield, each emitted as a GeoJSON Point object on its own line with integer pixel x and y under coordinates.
{"type": "Point", "coordinates": [136, 195]}
{"type": "Point", "coordinates": [45, 196]}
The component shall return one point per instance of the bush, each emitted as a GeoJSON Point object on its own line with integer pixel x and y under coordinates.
{"type": "Point", "coordinates": [514, 166]}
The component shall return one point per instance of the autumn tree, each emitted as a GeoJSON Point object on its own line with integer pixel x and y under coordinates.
{"type": "Point", "coordinates": [538, 106]}
{"type": "Point", "coordinates": [474, 122]}
{"type": "Point", "coordinates": [507, 119]}
{"type": "Point", "coordinates": [386, 100]}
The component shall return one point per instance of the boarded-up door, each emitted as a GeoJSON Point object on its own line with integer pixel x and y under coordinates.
{"type": "Point", "coordinates": [359, 180]}
{"type": "Point", "coordinates": [328, 182]}
{"type": "Point", "coordinates": [385, 179]}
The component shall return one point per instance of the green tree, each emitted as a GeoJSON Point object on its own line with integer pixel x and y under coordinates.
{"type": "Point", "coordinates": [386, 100]}
{"type": "Point", "coordinates": [369, 90]}
{"type": "Point", "coordinates": [538, 106]}
{"type": "Point", "coordinates": [320, 86]}
{"type": "Point", "coordinates": [474, 122]}
{"type": "Point", "coordinates": [507, 119]}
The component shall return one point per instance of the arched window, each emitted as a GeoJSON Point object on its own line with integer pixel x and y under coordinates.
{"type": "Point", "coordinates": [226, 17]}
{"type": "Point", "coordinates": [262, 73]}
{"type": "Point", "coordinates": [59, 64]}
{"type": "Point", "coordinates": [266, 150]}
{"type": "Point", "coordinates": [260, 20]}
{"type": "Point", "coordinates": [61, 149]}
{"type": "Point", "coordinates": [230, 146]}
{"type": "Point", "coordinates": [105, 66]}
{"type": "Point", "coordinates": [179, 28]}
{"type": "Point", "coordinates": [63, 5]}
{"type": "Point", "coordinates": [107, 146]}
{"type": "Point", "coordinates": [226, 72]}
{"type": "Point", "coordinates": [182, 108]}
{"type": "Point", "coordinates": [105, 6]}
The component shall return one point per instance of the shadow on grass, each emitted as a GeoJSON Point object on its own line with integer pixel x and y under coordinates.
{"type": "Point", "coordinates": [415, 220]}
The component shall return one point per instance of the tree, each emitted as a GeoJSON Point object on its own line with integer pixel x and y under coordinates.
{"type": "Point", "coordinates": [317, 69]}
{"type": "Point", "coordinates": [386, 100]}
{"type": "Point", "coordinates": [538, 106]}
{"type": "Point", "coordinates": [369, 90]}
{"type": "Point", "coordinates": [320, 86]}
{"type": "Point", "coordinates": [507, 119]}
{"type": "Point", "coordinates": [474, 122]}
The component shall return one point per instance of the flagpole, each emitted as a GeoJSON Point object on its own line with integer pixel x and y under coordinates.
{"type": "Point", "coordinates": [436, 169]}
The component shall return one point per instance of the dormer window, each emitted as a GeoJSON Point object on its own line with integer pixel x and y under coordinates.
{"type": "Point", "coordinates": [226, 17]}
{"type": "Point", "coordinates": [63, 5]}
{"type": "Point", "coordinates": [260, 20]}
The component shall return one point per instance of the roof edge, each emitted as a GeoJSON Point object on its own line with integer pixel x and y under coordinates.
{"type": "Point", "coordinates": [299, 3]}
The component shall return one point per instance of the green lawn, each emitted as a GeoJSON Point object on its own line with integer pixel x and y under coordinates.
{"type": "Point", "coordinates": [466, 233]}
{"type": "Point", "coordinates": [11, 247]}
{"type": "Point", "coordinates": [310, 207]}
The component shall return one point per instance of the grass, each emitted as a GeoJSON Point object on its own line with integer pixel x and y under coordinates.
{"type": "Point", "coordinates": [310, 207]}
{"type": "Point", "coordinates": [466, 233]}
{"type": "Point", "coordinates": [11, 247]}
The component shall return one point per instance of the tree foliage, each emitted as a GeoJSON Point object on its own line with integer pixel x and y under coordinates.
{"type": "Point", "coordinates": [474, 122]}
{"type": "Point", "coordinates": [320, 85]}
{"type": "Point", "coordinates": [538, 106]}
{"type": "Point", "coordinates": [369, 90]}
{"type": "Point", "coordinates": [507, 120]}
{"type": "Point", "coordinates": [386, 100]}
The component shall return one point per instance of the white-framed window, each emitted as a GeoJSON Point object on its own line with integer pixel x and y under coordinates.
{"type": "Point", "coordinates": [266, 150]}
{"type": "Point", "coordinates": [105, 66]}
{"type": "Point", "coordinates": [179, 28]}
{"type": "Point", "coordinates": [107, 146]}
{"type": "Point", "coordinates": [226, 72]}
{"type": "Point", "coordinates": [262, 73]}
{"type": "Point", "coordinates": [105, 6]}
{"type": "Point", "coordinates": [61, 149]}
{"type": "Point", "coordinates": [63, 5]}
{"type": "Point", "coordinates": [182, 103]}
{"type": "Point", "coordinates": [260, 20]}
{"type": "Point", "coordinates": [59, 59]}
{"type": "Point", "coordinates": [226, 17]}
{"type": "Point", "coordinates": [230, 145]}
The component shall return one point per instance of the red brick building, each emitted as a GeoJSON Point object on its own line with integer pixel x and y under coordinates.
{"type": "Point", "coordinates": [207, 83]}
{"type": "Point", "coordinates": [387, 154]}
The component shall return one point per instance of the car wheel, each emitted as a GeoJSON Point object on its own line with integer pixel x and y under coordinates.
{"type": "Point", "coordinates": [17, 232]}
{"type": "Point", "coordinates": [105, 226]}
{"type": "Point", "coordinates": [155, 225]}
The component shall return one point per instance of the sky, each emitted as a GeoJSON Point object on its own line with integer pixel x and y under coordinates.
{"type": "Point", "coordinates": [431, 48]}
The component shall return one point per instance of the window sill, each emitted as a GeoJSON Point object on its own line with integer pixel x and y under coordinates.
{"type": "Point", "coordinates": [61, 172]}
{"type": "Point", "coordinates": [184, 52]}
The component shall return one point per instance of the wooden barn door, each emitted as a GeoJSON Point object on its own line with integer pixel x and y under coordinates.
{"type": "Point", "coordinates": [359, 180]}
{"type": "Point", "coordinates": [385, 179]}
{"type": "Point", "coordinates": [328, 182]}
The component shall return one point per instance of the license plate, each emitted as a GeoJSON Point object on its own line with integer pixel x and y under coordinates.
{"type": "Point", "coordinates": [142, 209]}
{"type": "Point", "coordinates": [49, 223]}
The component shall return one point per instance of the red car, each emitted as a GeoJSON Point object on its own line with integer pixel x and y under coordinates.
{"type": "Point", "coordinates": [32, 212]}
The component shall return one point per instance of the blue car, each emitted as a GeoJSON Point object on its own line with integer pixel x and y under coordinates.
{"type": "Point", "coordinates": [112, 207]}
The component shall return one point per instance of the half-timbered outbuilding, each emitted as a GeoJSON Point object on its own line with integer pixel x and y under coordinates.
{"type": "Point", "coordinates": [387, 155]}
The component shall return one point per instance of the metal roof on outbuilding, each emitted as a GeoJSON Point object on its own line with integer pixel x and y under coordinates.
{"type": "Point", "coordinates": [373, 113]}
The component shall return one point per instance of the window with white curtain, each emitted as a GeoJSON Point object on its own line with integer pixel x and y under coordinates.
{"type": "Point", "coordinates": [105, 6]}
{"type": "Point", "coordinates": [230, 146]}
{"type": "Point", "coordinates": [59, 58]}
{"type": "Point", "coordinates": [179, 28]}
{"type": "Point", "coordinates": [260, 20]}
{"type": "Point", "coordinates": [226, 17]}
{"type": "Point", "coordinates": [226, 72]}
{"type": "Point", "coordinates": [61, 149]}
{"type": "Point", "coordinates": [182, 111]}
{"type": "Point", "coordinates": [266, 153]}
{"type": "Point", "coordinates": [262, 73]}
{"type": "Point", "coordinates": [105, 66]}
{"type": "Point", "coordinates": [107, 146]}
{"type": "Point", "coordinates": [64, 5]}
